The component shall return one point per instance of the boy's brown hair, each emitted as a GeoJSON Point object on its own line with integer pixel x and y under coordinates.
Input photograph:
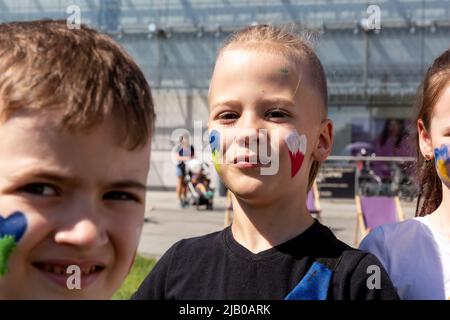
{"type": "Point", "coordinates": [295, 46]}
{"type": "Point", "coordinates": [45, 65]}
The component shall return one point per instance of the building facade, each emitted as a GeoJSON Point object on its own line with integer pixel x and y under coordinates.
{"type": "Point", "coordinates": [374, 54]}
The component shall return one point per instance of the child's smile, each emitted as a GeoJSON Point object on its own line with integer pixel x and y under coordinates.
{"type": "Point", "coordinates": [56, 270]}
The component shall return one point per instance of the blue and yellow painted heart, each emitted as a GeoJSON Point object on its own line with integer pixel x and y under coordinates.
{"type": "Point", "coordinates": [12, 228]}
{"type": "Point", "coordinates": [442, 161]}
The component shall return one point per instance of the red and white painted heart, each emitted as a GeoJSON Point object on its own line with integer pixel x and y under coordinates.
{"type": "Point", "coordinates": [297, 149]}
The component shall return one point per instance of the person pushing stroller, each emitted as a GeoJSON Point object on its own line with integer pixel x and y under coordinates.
{"type": "Point", "coordinates": [199, 184]}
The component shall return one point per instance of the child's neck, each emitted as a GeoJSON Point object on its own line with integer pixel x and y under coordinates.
{"type": "Point", "coordinates": [261, 228]}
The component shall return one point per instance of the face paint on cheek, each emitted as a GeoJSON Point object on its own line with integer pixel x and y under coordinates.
{"type": "Point", "coordinates": [214, 141]}
{"type": "Point", "coordinates": [442, 162]}
{"type": "Point", "coordinates": [12, 229]}
{"type": "Point", "coordinates": [297, 149]}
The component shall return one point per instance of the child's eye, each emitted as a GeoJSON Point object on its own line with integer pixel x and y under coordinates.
{"type": "Point", "coordinates": [41, 189]}
{"type": "Point", "coordinates": [276, 114]}
{"type": "Point", "coordinates": [228, 116]}
{"type": "Point", "coordinates": [120, 195]}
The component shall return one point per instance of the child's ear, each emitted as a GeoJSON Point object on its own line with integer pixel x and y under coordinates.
{"type": "Point", "coordinates": [325, 143]}
{"type": "Point", "coordinates": [426, 147]}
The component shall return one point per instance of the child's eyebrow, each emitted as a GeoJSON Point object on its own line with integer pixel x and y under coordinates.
{"type": "Point", "coordinates": [127, 184]}
{"type": "Point", "coordinates": [265, 101]}
{"type": "Point", "coordinates": [231, 103]}
{"type": "Point", "coordinates": [50, 175]}
{"type": "Point", "coordinates": [65, 179]}
{"type": "Point", "coordinates": [279, 101]}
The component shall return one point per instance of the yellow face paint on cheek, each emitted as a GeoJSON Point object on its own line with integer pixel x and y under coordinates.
{"type": "Point", "coordinates": [442, 160]}
{"type": "Point", "coordinates": [442, 169]}
{"type": "Point", "coordinates": [214, 141]}
{"type": "Point", "coordinates": [12, 229]}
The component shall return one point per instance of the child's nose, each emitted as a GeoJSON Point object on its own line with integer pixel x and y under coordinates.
{"type": "Point", "coordinates": [81, 228]}
{"type": "Point", "coordinates": [84, 233]}
{"type": "Point", "coordinates": [244, 137]}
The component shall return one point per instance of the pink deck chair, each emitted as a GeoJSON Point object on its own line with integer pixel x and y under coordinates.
{"type": "Point", "coordinates": [312, 201]}
{"type": "Point", "coordinates": [372, 212]}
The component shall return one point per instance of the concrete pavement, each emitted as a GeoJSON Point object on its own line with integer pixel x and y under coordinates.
{"type": "Point", "coordinates": [166, 223]}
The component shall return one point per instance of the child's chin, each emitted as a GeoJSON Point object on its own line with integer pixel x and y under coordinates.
{"type": "Point", "coordinates": [44, 287]}
{"type": "Point", "coordinates": [250, 189]}
{"type": "Point", "coordinates": [83, 294]}
{"type": "Point", "coordinates": [46, 294]}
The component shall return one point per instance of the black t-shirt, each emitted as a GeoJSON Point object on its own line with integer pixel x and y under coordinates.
{"type": "Point", "coordinates": [216, 266]}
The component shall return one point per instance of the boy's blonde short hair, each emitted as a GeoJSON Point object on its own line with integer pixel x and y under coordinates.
{"type": "Point", "coordinates": [293, 45]}
{"type": "Point", "coordinates": [44, 65]}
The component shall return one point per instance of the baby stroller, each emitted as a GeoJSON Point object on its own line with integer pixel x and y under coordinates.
{"type": "Point", "coordinates": [198, 184]}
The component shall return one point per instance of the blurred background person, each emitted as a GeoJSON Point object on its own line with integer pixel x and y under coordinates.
{"type": "Point", "coordinates": [392, 142]}
{"type": "Point", "coordinates": [184, 152]}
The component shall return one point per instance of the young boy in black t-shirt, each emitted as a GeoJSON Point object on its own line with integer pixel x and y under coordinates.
{"type": "Point", "coordinates": [268, 93]}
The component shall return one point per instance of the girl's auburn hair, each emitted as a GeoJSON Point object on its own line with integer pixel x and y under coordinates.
{"type": "Point", "coordinates": [296, 45]}
{"type": "Point", "coordinates": [428, 93]}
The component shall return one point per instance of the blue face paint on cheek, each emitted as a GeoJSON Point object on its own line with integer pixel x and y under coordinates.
{"type": "Point", "coordinates": [12, 229]}
{"type": "Point", "coordinates": [442, 161]}
{"type": "Point", "coordinates": [214, 141]}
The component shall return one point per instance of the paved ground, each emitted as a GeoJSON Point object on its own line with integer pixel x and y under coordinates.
{"type": "Point", "coordinates": [167, 223]}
